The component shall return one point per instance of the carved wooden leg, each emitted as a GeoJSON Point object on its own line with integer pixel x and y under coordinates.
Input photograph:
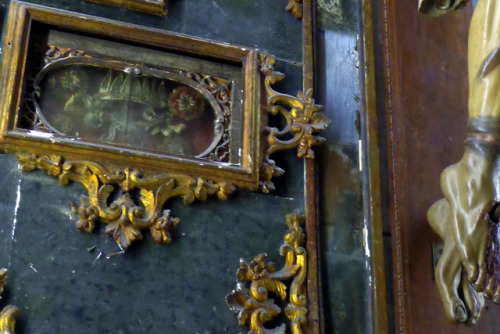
{"type": "Point", "coordinates": [468, 188]}
{"type": "Point", "coordinates": [448, 272]}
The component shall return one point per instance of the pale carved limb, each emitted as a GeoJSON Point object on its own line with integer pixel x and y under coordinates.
{"type": "Point", "coordinates": [468, 188]}
{"type": "Point", "coordinates": [448, 273]}
{"type": "Point", "coordinates": [465, 218]}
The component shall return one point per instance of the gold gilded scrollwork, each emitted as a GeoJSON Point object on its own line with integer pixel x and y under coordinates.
{"type": "Point", "coordinates": [124, 218]}
{"type": "Point", "coordinates": [253, 306]}
{"type": "Point", "coordinates": [9, 313]}
{"type": "Point", "coordinates": [295, 7]}
{"type": "Point", "coordinates": [221, 90]}
{"type": "Point", "coordinates": [304, 119]}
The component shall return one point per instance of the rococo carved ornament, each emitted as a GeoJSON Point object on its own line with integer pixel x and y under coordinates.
{"type": "Point", "coordinates": [303, 117]}
{"type": "Point", "coordinates": [8, 313]}
{"type": "Point", "coordinates": [254, 306]}
{"type": "Point", "coordinates": [124, 218]}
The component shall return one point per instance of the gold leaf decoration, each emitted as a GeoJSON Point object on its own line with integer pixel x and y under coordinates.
{"type": "Point", "coordinates": [124, 218]}
{"type": "Point", "coordinates": [55, 53]}
{"type": "Point", "coordinates": [9, 313]}
{"type": "Point", "coordinates": [253, 305]}
{"type": "Point", "coordinates": [304, 119]}
{"type": "Point", "coordinates": [295, 7]}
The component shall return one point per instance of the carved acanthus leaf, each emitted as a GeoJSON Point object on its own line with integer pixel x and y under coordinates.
{"type": "Point", "coordinates": [124, 218]}
{"type": "Point", "coordinates": [253, 305]}
{"type": "Point", "coordinates": [304, 119]}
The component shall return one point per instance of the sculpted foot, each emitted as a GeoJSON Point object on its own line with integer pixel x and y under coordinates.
{"type": "Point", "coordinates": [468, 188]}
{"type": "Point", "coordinates": [448, 272]}
{"type": "Point", "coordinates": [448, 278]}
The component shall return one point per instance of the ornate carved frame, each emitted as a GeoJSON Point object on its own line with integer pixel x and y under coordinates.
{"type": "Point", "coordinates": [23, 16]}
{"type": "Point", "coordinates": [155, 7]}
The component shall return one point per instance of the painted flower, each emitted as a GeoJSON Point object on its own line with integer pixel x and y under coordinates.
{"type": "Point", "coordinates": [186, 103]}
{"type": "Point", "coordinates": [74, 81]}
{"type": "Point", "coordinates": [160, 123]}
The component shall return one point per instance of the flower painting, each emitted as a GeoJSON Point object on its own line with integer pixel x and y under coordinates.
{"type": "Point", "coordinates": [126, 109]}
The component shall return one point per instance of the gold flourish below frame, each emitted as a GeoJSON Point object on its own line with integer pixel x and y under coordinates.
{"type": "Point", "coordinates": [124, 218]}
{"type": "Point", "coordinates": [253, 305]}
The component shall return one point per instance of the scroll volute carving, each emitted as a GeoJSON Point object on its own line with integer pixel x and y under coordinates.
{"type": "Point", "coordinates": [467, 218]}
{"type": "Point", "coordinates": [254, 305]}
{"type": "Point", "coordinates": [304, 121]}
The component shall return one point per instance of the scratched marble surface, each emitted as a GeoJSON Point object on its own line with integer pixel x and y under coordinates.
{"type": "Point", "coordinates": [344, 257]}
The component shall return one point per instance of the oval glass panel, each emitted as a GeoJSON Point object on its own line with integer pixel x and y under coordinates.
{"type": "Point", "coordinates": [137, 111]}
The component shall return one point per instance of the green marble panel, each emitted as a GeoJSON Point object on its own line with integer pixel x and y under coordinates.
{"type": "Point", "coordinates": [262, 24]}
{"type": "Point", "coordinates": [343, 256]}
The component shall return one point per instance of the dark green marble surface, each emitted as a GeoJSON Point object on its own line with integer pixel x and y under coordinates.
{"type": "Point", "coordinates": [344, 260]}
{"type": "Point", "coordinates": [262, 24]}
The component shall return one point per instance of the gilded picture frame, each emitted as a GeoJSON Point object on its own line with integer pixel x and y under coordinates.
{"type": "Point", "coordinates": [154, 7]}
{"type": "Point", "coordinates": [241, 170]}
